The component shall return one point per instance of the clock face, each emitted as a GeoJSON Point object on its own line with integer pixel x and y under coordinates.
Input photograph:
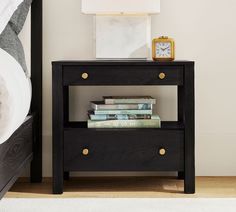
{"type": "Point", "coordinates": [163, 49]}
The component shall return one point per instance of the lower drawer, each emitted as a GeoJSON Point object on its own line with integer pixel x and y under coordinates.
{"type": "Point", "coordinates": [123, 150]}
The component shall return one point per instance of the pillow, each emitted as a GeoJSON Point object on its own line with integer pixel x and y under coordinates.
{"type": "Point", "coordinates": [18, 19]}
{"type": "Point", "coordinates": [7, 9]}
{"type": "Point", "coordinates": [9, 40]}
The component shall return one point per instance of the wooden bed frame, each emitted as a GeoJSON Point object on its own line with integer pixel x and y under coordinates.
{"type": "Point", "coordinates": [25, 145]}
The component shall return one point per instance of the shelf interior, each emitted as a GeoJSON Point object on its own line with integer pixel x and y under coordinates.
{"type": "Point", "coordinates": [165, 125]}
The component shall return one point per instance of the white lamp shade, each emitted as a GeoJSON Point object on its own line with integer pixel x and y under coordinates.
{"type": "Point", "coordinates": [120, 6]}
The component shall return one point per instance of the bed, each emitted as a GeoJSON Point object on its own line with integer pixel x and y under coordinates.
{"type": "Point", "coordinates": [24, 146]}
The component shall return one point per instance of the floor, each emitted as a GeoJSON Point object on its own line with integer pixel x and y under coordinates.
{"type": "Point", "coordinates": [127, 187]}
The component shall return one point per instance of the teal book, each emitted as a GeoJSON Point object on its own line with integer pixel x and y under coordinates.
{"type": "Point", "coordinates": [118, 117]}
{"type": "Point", "coordinates": [110, 100]}
{"type": "Point", "coordinates": [112, 124]}
{"type": "Point", "coordinates": [122, 112]}
{"type": "Point", "coordinates": [100, 105]}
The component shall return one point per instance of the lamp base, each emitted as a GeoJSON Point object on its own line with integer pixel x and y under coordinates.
{"type": "Point", "coordinates": [123, 37]}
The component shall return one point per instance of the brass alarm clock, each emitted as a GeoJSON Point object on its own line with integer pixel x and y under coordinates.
{"type": "Point", "coordinates": [163, 49]}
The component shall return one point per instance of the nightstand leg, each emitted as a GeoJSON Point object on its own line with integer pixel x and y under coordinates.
{"type": "Point", "coordinates": [189, 185]}
{"type": "Point", "coordinates": [58, 132]}
{"type": "Point", "coordinates": [181, 175]}
{"type": "Point", "coordinates": [66, 176]}
{"type": "Point", "coordinates": [36, 164]}
{"type": "Point", "coordinates": [58, 178]}
{"type": "Point", "coordinates": [57, 187]}
{"type": "Point", "coordinates": [189, 122]}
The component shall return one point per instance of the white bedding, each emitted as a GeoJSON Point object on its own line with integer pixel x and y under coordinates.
{"type": "Point", "coordinates": [7, 8]}
{"type": "Point", "coordinates": [15, 95]}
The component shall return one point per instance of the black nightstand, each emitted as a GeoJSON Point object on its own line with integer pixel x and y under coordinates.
{"type": "Point", "coordinates": [77, 148]}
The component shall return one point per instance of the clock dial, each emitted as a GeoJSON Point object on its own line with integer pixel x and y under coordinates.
{"type": "Point", "coordinates": [163, 49]}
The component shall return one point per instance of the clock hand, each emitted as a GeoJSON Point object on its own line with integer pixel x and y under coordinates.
{"type": "Point", "coordinates": [164, 48]}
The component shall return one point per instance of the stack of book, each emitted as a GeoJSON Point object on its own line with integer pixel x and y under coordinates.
{"type": "Point", "coordinates": [123, 112]}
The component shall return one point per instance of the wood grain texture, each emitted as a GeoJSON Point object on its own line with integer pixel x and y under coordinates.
{"type": "Point", "coordinates": [121, 63]}
{"type": "Point", "coordinates": [58, 133]}
{"type": "Point", "coordinates": [36, 78]}
{"type": "Point", "coordinates": [123, 75]}
{"type": "Point", "coordinates": [189, 121]}
{"type": "Point", "coordinates": [123, 149]}
{"type": "Point", "coordinates": [133, 150]}
{"type": "Point", "coordinates": [26, 143]}
{"type": "Point", "coordinates": [14, 153]}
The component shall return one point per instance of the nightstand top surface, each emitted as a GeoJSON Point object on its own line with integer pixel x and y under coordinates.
{"type": "Point", "coordinates": [121, 62]}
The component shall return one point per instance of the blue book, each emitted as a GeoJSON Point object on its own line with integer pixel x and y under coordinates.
{"type": "Point", "coordinates": [122, 112]}
{"type": "Point", "coordinates": [109, 100]}
{"type": "Point", "coordinates": [100, 105]}
{"type": "Point", "coordinates": [118, 117]}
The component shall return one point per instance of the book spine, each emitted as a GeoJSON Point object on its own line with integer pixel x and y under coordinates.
{"type": "Point", "coordinates": [152, 123]}
{"type": "Point", "coordinates": [119, 117]}
{"type": "Point", "coordinates": [123, 112]}
{"type": "Point", "coordinates": [130, 101]}
{"type": "Point", "coordinates": [122, 107]}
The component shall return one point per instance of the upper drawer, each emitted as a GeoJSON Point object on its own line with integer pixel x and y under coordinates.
{"type": "Point", "coordinates": [123, 75]}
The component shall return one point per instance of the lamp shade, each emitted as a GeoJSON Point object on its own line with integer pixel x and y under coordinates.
{"type": "Point", "coordinates": [120, 6]}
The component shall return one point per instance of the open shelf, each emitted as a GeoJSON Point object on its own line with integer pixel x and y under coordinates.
{"type": "Point", "coordinates": [165, 125]}
{"type": "Point", "coordinates": [79, 148]}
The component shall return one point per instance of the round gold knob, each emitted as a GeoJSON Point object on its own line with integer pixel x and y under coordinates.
{"type": "Point", "coordinates": [85, 76]}
{"type": "Point", "coordinates": [162, 76]}
{"type": "Point", "coordinates": [85, 152]}
{"type": "Point", "coordinates": [162, 151]}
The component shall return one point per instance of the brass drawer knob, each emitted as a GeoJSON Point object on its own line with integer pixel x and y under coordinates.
{"type": "Point", "coordinates": [162, 76]}
{"type": "Point", "coordinates": [85, 152]}
{"type": "Point", "coordinates": [85, 76]}
{"type": "Point", "coordinates": [162, 151]}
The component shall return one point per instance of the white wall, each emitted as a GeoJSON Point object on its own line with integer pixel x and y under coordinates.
{"type": "Point", "coordinates": [204, 31]}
